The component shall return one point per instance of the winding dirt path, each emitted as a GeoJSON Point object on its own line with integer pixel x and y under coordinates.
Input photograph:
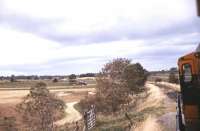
{"type": "Point", "coordinates": [72, 115]}
{"type": "Point", "coordinates": [158, 98]}
{"type": "Point", "coordinates": [155, 98]}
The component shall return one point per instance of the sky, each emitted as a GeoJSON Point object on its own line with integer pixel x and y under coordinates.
{"type": "Point", "coordinates": [60, 37]}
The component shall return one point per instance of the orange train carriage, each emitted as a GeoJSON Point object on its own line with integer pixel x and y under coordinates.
{"type": "Point", "coordinates": [188, 108]}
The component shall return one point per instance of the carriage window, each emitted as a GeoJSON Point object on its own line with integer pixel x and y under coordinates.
{"type": "Point", "coordinates": [187, 73]}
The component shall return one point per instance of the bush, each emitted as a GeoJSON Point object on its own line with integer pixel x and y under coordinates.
{"type": "Point", "coordinates": [8, 124]}
{"type": "Point", "coordinates": [158, 80]}
{"type": "Point", "coordinates": [55, 80]}
{"type": "Point", "coordinates": [39, 108]}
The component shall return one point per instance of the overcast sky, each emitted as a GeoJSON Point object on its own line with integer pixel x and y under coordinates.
{"type": "Point", "coordinates": [79, 36]}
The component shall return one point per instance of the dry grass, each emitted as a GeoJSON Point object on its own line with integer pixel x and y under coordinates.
{"type": "Point", "coordinates": [150, 124]}
{"type": "Point", "coordinates": [175, 87]}
{"type": "Point", "coordinates": [23, 84]}
{"type": "Point", "coordinates": [88, 80]}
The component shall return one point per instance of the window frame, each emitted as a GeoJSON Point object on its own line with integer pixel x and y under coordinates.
{"type": "Point", "coordinates": [190, 66]}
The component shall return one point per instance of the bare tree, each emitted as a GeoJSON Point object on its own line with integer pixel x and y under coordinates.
{"type": "Point", "coordinates": [39, 108]}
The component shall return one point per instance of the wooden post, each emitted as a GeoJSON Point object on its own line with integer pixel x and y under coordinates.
{"type": "Point", "coordinates": [85, 121]}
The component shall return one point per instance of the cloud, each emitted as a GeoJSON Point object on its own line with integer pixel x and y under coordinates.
{"type": "Point", "coordinates": [63, 36]}
{"type": "Point", "coordinates": [35, 55]}
{"type": "Point", "coordinates": [20, 47]}
{"type": "Point", "coordinates": [88, 22]}
{"type": "Point", "coordinates": [45, 28]}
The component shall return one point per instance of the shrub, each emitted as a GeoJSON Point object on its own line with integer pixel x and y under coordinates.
{"type": "Point", "coordinates": [40, 108]}
{"type": "Point", "coordinates": [55, 80]}
{"type": "Point", "coordinates": [158, 80]}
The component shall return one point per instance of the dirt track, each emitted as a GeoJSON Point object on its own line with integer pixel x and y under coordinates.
{"type": "Point", "coordinates": [15, 96]}
{"type": "Point", "coordinates": [9, 99]}
{"type": "Point", "coordinates": [72, 114]}
{"type": "Point", "coordinates": [158, 97]}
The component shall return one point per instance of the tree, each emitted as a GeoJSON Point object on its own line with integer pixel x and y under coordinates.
{"type": "Point", "coordinates": [114, 70]}
{"type": "Point", "coordinates": [111, 91]}
{"type": "Point", "coordinates": [12, 78]}
{"type": "Point", "coordinates": [135, 77]}
{"type": "Point", "coordinates": [55, 80]}
{"type": "Point", "coordinates": [111, 96]}
{"type": "Point", "coordinates": [72, 79]}
{"type": "Point", "coordinates": [39, 108]}
{"type": "Point", "coordinates": [116, 81]}
{"type": "Point", "coordinates": [72, 76]}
